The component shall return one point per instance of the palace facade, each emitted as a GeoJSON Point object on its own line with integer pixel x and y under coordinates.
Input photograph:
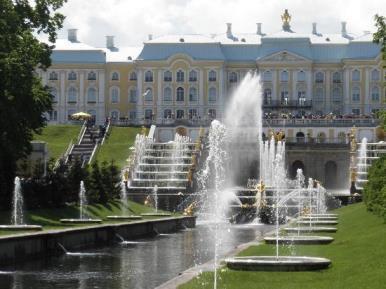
{"type": "Point", "coordinates": [191, 77]}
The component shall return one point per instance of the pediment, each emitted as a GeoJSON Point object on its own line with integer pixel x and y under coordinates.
{"type": "Point", "coordinates": [283, 56]}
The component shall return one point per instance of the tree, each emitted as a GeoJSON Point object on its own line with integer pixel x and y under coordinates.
{"type": "Point", "coordinates": [379, 37]}
{"type": "Point", "coordinates": [23, 99]}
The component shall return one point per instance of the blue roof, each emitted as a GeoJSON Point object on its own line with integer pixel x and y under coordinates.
{"type": "Point", "coordinates": [79, 56]}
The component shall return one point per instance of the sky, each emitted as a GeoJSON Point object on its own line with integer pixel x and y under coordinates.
{"type": "Point", "coordinates": [132, 21]}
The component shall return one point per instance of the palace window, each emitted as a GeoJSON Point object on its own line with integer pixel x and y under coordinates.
{"type": "Point", "coordinates": [319, 94]}
{"type": "Point", "coordinates": [91, 94]}
{"type": "Point", "coordinates": [233, 77]}
{"type": "Point", "coordinates": [193, 76]}
{"type": "Point", "coordinates": [72, 75]}
{"type": "Point", "coordinates": [267, 76]}
{"type": "Point", "coordinates": [115, 76]}
{"type": "Point", "coordinates": [54, 94]}
{"type": "Point", "coordinates": [180, 76]}
{"type": "Point", "coordinates": [114, 95]}
{"type": "Point", "coordinates": [132, 114]}
{"type": "Point", "coordinates": [53, 76]}
{"type": "Point", "coordinates": [267, 96]}
{"type": "Point", "coordinates": [301, 97]}
{"type": "Point", "coordinates": [284, 97]}
{"type": "Point", "coordinates": [319, 77]}
{"type": "Point", "coordinates": [193, 113]}
{"type": "Point", "coordinates": [148, 95]}
{"type": "Point", "coordinates": [114, 115]}
{"type": "Point", "coordinates": [72, 94]}
{"type": "Point", "coordinates": [91, 75]}
{"type": "Point", "coordinates": [301, 76]}
{"type": "Point", "coordinates": [356, 111]}
{"type": "Point", "coordinates": [193, 94]}
{"type": "Point", "coordinates": [337, 94]}
{"type": "Point", "coordinates": [180, 94]}
{"type": "Point", "coordinates": [375, 75]}
{"type": "Point", "coordinates": [53, 115]}
{"type": "Point", "coordinates": [168, 76]}
{"type": "Point", "coordinates": [212, 94]}
{"type": "Point", "coordinates": [133, 95]}
{"type": "Point", "coordinates": [180, 113]}
{"type": "Point", "coordinates": [355, 94]}
{"type": "Point", "coordinates": [212, 76]}
{"type": "Point", "coordinates": [284, 76]}
{"type": "Point", "coordinates": [336, 77]}
{"type": "Point", "coordinates": [167, 94]}
{"type": "Point", "coordinates": [148, 76]}
{"type": "Point", "coordinates": [356, 75]}
{"type": "Point", "coordinates": [133, 76]}
{"type": "Point", "coordinates": [212, 113]}
{"type": "Point", "coordinates": [167, 113]}
{"type": "Point", "coordinates": [148, 114]}
{"type": "Point", "coordinates": [375, 93]}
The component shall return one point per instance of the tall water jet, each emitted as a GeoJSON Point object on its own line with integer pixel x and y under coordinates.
{"type": "Point", "coordinates": [361, 178]}
{"type": "Point", "coordinates": [17, 204]}
{"type": "Point", "coordinates": [82, 201]}
{"type": "Point", "coordinates": [124, 199]}
{"type": "Point", "coordinates": [155, 197]}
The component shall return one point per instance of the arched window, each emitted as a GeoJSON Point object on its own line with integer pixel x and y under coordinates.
{"type": "Point", "coordinates": [375, 75]}
{"type": "Point", "coordinates": [355, 96]}
{"type": "Point", "coordinates": [53, 76]}
{"type": "Point", "coordinates": [180, 113]}
{"type": "Point", "coordinates": [336, 77]}
{"type": "Point", "coordinates": [319, 77]}
{"type": "Point", "coordinates": [193, 94]}
{"type": "Point", "coordinates": [133, 75]}
{"type": "Point", "coordinates": [72, 75]}
{"type": "Point", "coordinates": [267, 96]}
{"type": "Point", "coordinates": [193, 113]}
{"type": "Point", "coordinates": [295, 166]}
{"type": "Point", "coordinates": [91, 95]}
{"type": "Point", "coordinates": [212, 75]}
{"type": "Point", "coordinates": [319, 94]}
{"type": "Point", "coordinates": [54, 94]}
{"type": "Point", "coordinates": [356, 75]}
{"type": "Point", "coordinates": [115, 76]}
{"type": "Point", "coordinates": [233, 77]}
{"type": "Point", "coordinates": [267, 76]}
{"type": "Point", "coordinates": [301, 76]}
{"type": "Point", "coordinates": [133, 95]}
{"type": "Point", "coordinates": [284, 76]}
{"type": "Point", "coordinates": [148, 114]}
{"type": "Point", "coordinates": [375, 93]}
{"type": "Point", "coordinates": [167, 76]}
{"type": "Point", "coordinates": [284, 97]}
{"type": "Point", "coordinates": [91, 75]}
{"type": "Point", "coordinates": [167, 113]}
{"type": "Point", "coordinates": [148, 76]}
{"type": "Point", "coordinates": [72, 94]}
{"type": "Point", "coordinates": [180, 94]}
{"type": "Point", "coordinates": [180, 76]}
{"type": "Point", "coordinates": [337, 94]}
{"type": "Point", "coordinates": [193, 76]}
{"type": "Point", "coordinates": [212, 94]}
{"type": "Point", "coordinates": [301, 97]}
{"type": "Point", "coordinates": [321, 137]}
{"type": "Point", "coordinates": [148, 95]}
{"type": "Point", "coordinates": [114, 95]}
{"type": "Point", "coordinates": [167, 94]}
{"type": "Point", "coordinates": [300, 136]}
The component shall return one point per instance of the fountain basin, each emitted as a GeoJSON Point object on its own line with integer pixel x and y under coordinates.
{"type": "Point", "coordinates": [128, 217]}
{"type": "Point", "coordinates": [321, 215]}
{"type": "Point", "coordinates": [317, 223]}
{"type": "Point", "coordinates": [81, 221]}
{"type": "Point", "coordinates": [319, 218]}
{"type": "Point", "coordinates": [282, 263]}
{"type": "Point", "coordinates": [156, 214]}
{"type": "Point", "coordinates": [306, 229]}
{"type": "Point", "coordinates": [301, 240]}
{"type": "Point", "coordinates": [21, 228]}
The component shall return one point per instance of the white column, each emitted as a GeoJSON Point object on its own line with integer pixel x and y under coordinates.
{"type": "Point", "coordinates": [201, 92]}
{"type": "Point", "coordinates": [62, 117]}
{"type": "Point", "coordinates": [82, 102]}
{"type": "Point", "coordinates": [101, 104]}
{"type": "Point", "coordinates": [309, 84]}
{"type": "Point", "coordinates": [159, 95]}
{"type": "Point", "coordinates": [221, 96]}
{"type": "Point", "coordinates": [294, 90]}
{"type": "Point", "coordinates": [274, 85]}
{"type": "Point", "coordinates": [366, 94]}
{"type": "Point", "coordinates": [346, 90]}
{"type": "Point", "coordinates": [139, 92]}
{"type": "Point", "coordinates": [327, 92]}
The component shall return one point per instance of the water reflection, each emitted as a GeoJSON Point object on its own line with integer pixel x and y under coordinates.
{"type": "Point", "coordinates": [144, 265]}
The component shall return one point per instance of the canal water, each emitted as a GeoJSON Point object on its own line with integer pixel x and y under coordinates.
{"type": "Point", "coordinates": [142, 265]}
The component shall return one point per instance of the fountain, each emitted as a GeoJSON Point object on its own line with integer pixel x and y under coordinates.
{"type": "Point", "coordinates": [83, 218]}
{"type": "Point", "coordinates": [17, 219]}
{"type": "Point", "coordinates": [124, 206]}
{"type": "Point", "coordinates": [155, 200]}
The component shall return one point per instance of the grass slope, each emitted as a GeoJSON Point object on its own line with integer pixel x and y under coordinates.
{"type": "Point", "coordinates": [116, 146]}
{"type": "Point", "coordinates": [49, 218]}
{"type": "Point", "coordinates": [358, 257]}
{"type": "Point", "coordinates": [58, 137]}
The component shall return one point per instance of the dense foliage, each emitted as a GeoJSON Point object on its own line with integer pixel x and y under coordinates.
{"type": "Point", "coordinates": [23, 98]}
{"type": "Point", "coordinates": [380, 35]}
{"type": "Point", "coordinates": [60, 186]}
{"type": "Point", "coordinates": [375, 188]}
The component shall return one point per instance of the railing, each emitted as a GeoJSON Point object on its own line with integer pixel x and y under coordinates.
{"type": "Point", "coordinates": [287, 104]}
{"type": "Point", "coordinates": [81, 133]}
{"type": "Point", "coordinates": [316, 140]}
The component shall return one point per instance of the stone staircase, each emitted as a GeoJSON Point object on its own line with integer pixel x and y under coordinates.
{"type": "Point", "coordinates": [86, 146]}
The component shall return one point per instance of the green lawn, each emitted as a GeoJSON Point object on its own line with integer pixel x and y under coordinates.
{"type": "Point", "coordinates": [49, 218]}
{"type": "Point", "coordinates": [58, 137]}
{"type": "Point", "coordinates": [358, 257]}
{"type": "Point", "coordinates": [116, 146]}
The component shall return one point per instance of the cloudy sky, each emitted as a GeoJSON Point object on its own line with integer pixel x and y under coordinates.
{"type": "Point", "coordinates": [131, 21]}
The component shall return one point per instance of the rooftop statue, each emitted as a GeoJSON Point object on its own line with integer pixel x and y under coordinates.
{"type": "Point", "coordinates": [286, 18]}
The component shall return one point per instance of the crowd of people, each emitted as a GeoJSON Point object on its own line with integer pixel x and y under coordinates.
{"type": "Point", "coordinates": [329, 116]}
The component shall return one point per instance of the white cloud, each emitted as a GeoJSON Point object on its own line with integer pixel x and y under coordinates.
{"type": "Point", "coordinates": [131, 21]}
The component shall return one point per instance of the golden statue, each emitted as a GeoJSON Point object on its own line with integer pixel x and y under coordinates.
{"type": "Point", "coordinates": [260, 187]}
{"type": "Point", "coordinates": [286, 17]}
{"type": "Point", "coordinates": [126, 176]}
{"type": "Point", "coordinates": [353, 141]}
{"type": "Point", "coordinates": [189, 211]}
{"type": "Point", "coordinates": [353, 174]}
